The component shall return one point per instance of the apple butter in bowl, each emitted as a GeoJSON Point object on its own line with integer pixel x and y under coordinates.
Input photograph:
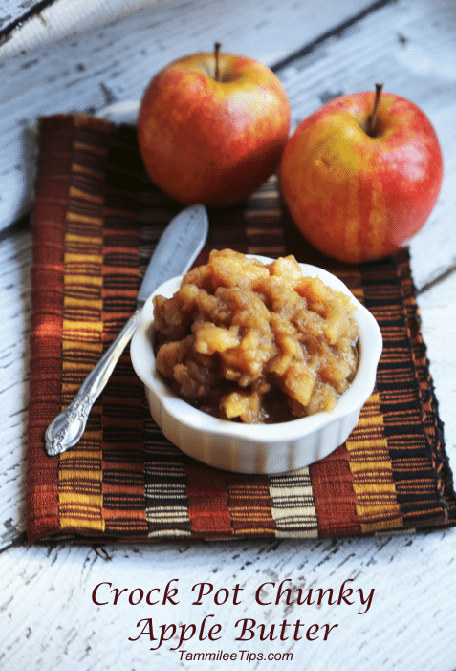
{"type": "Point", "coordinates": [254, 342]}
{"type": "Point", "coordinates": [256, 365]}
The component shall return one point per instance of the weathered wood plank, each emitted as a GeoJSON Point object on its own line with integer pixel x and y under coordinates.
{"type": "Point", "coordinates": [28, 24]}
{"type": "Point", "coordinates": [14, 379]}
{"type": "Point", "coordinates": [14, 12]}
{"type": "Point", "coordinates": [438, 316]}
{"type": "Point", "coordinates": [54, 624]}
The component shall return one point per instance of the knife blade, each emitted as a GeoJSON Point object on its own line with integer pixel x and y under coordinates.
{"type": "Point", "coordinates": [177, 249]}
{"type": "Point", "coordinates": [180, 243]}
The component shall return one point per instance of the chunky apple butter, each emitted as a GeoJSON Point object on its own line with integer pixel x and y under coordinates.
{"type": "Point", "coordinates": [256, 343]}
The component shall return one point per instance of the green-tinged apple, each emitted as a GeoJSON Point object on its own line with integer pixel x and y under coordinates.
{"type": "Point", "coordinates": [361, 175]}
{"type": "Point", "coordinates": [212, 127]}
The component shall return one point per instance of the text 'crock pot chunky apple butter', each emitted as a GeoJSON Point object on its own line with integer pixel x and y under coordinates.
{"type": "Point", "coordinates": [255, 343]}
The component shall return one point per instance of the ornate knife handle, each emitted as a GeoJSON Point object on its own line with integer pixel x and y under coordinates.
{"type": "Point", "coordinates": [67, 428]}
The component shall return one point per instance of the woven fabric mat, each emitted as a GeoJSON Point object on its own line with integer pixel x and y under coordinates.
{"type": "Point", "coordinates": [96, 220]}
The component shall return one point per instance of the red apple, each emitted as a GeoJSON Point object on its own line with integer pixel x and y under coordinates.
{"type": "Point", "coordinates": [359, 183]}
{"type": "Point", "coordinates": [212, 127]}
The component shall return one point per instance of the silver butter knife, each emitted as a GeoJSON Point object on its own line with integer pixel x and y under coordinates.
{"type": "Point", "coordinates": [179, 245]}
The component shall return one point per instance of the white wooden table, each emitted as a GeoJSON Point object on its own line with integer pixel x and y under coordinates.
{"type": "Point", "coordinates": [48, 618]}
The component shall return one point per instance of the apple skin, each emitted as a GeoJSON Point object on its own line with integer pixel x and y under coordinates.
{"type": "Point", "coordinates": [208, 141]}
{"type": "Point", "coordinates": [355, 197]}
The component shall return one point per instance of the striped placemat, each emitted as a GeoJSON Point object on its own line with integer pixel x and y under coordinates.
{"type": "Point", "coordinates": [96, 220]}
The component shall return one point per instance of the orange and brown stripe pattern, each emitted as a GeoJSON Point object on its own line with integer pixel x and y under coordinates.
{"type": "Point", "coordinates": [96, 221]}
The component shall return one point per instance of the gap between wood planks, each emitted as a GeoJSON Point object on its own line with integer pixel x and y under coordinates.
{"type": "Point", "coordinates": [437, 280]}
{"type": "Point", "coordinates": [6, 33]}
{"type": "Point", "coordinates": [337, 31]}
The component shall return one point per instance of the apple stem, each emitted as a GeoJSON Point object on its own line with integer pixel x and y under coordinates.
{"type": "Point", "coordinates": [217, 48]}
{"type": "Point", "coordinates": [371, 128]}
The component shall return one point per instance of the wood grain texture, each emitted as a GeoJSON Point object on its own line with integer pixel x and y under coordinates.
{"type": "Point", "coordinates": [406, 627]}
{"type": "Point", "coordinates": [13, 13]}
{"type": "Point", "coordinates": [48, 618]}
{"type": "Point", "coordinates": [14, 375]}
{"type": "Point", "coordinates": [438, 316]}
{"type": "Point", "coordinates": [30, 24]}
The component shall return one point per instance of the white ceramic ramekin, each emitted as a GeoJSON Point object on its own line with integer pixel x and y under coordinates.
{"type": "Point", "coordinates": [257, 448]}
